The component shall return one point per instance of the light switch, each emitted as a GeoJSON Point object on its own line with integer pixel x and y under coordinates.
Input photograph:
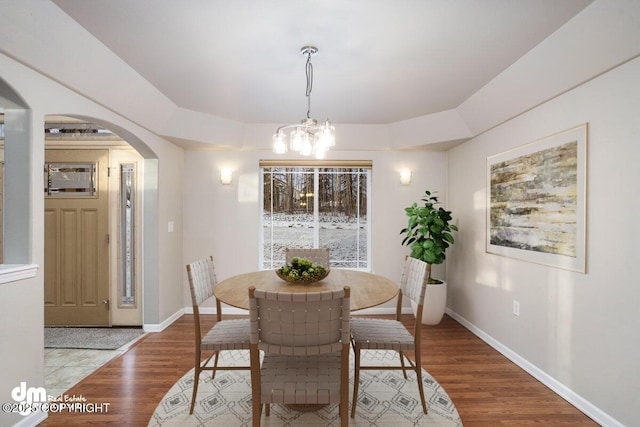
{"type": "Point", "coordinates": [170, 227]}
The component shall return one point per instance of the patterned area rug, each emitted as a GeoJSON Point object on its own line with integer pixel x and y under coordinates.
{"type": "Point", "coordinates": [94, 338]}
{"type": "Point", "coordinates": [386, 399]}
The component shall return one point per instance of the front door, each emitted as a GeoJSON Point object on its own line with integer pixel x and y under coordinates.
{"type": "Point", "coordinates": [76, 243]}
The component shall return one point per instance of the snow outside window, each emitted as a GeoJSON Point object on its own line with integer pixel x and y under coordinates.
{"type": "Point", "coordinates": [316, 207]}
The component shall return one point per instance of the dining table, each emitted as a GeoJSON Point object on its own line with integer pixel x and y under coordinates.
{"type": "Point", "coordinates": [367, 289]}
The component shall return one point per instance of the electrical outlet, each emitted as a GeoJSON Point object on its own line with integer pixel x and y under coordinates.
{"type": "Point", "coordinates": [516, 307]}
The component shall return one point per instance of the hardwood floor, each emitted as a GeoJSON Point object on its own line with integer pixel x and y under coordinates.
{"type": "Point", "coordinates": [487, 389]}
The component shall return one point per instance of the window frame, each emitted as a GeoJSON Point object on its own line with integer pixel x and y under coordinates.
{"type": "Point", "coordinates": [316, 165]}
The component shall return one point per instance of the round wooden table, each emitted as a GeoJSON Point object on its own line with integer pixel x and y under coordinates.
{"type": "Point", "coordinates": [367, 289]}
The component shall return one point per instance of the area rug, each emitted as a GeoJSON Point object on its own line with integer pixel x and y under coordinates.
{"type": "Point", "coordinates": [94, 338]}
{"type": "Point", "coordinates": [386, 399]}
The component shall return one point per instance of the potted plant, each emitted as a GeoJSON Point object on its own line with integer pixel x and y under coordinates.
{"type": "Point", "coordinates": [428, 234]}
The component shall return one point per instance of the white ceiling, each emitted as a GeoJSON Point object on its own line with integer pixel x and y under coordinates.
{"type": "Point", "coordinates": [379, 61]}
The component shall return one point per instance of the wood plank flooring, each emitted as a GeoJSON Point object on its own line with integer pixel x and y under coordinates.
{"type": "Point", "coordinates": [487, 388]}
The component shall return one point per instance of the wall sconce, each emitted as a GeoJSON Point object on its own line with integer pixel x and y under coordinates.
{"type": "Point", "coordinates": [405, 177]}
{"type": "Point", "coordinates": [226, 176]}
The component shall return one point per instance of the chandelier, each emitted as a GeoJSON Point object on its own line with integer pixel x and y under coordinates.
{"type": "Point", "coordinates": [308, 137]}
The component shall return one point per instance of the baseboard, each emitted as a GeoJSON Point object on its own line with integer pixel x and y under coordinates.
{"type": "Point", "coordinates": [233, 310]}
{"type": "Point", "coordinates": [562, 390]}
{"type": "Point", "coordinates": [154, 327]}
{"type": "Point", "coordinates": [32, 419]}
{"type": "Point", "coordinates": [212, 310]}
{"type": "Point", "coordinates": [373, 311]}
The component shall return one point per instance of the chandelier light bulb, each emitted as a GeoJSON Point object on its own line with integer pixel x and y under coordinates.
{"type": "Point", "coordinates": [279, 145]}
{"type": "Point", "coordinates": [296, 139]}
{"type": "Point", "coordinates": [326, 138]}
{"type": "Point", "coordinates": [307, 148]}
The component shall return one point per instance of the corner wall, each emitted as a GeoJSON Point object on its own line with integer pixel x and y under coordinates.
{"type": "Point", "coordinates": [580, 330]}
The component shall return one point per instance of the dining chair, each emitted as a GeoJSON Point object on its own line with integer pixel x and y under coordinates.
{"type": "Point", "coordinates": [317, 256]}
{"type": "Point", "coordinates": [384, 334]}
{"type": "Point", "coordinates": [224, 335]}
{"type": "Point", "coordinates": [305, 340]}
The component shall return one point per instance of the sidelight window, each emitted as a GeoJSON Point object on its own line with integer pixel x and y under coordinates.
{"type": "Point", "coordinates": [127, 235]}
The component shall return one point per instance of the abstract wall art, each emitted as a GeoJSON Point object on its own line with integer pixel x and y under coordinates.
{"type": "Point", "coordinates": [536, 201]}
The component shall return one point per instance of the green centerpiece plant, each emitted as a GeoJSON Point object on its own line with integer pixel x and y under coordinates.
{"type": "Point", "coordinates": [301, 270]}
{"type": "Point", "coordinates": [429, 233]}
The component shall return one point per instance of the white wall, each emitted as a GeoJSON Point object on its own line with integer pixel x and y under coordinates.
{"type": "Point", "coordinates": [580, 330]}
{"type": "Point", "coordinates": [22, 349]}
{"type": "Point", "coordinates": [224, 220]}
{"type": "Point", "coordinates": [22, 301]}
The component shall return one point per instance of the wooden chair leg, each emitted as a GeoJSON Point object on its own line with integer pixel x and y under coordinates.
{"type": "Point", "coordinates": [196, 380]}
{"type": "Point", "coordinates": [404, 369]}
{"type": "Point", "coordinates": [419, 379]}
{"type": "Point", "coordinates": [215, 365]}
{"type": "Point", "coordinates": [267, 409]}
{"type": "Point", "coordinates": [257, 413]}
{"type": "Point", "coordinates": [256, 387]}
{"type": "Point", "coordinates": [344, 387]}
{"type": "Point", "coordinates": [356, 380]}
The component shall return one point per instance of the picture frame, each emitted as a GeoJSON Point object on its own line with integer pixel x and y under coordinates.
{"type": "Point", "coordinates": [536, 201]}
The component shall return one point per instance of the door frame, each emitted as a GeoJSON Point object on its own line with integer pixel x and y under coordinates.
{"type": "Point", "coordinates": [119, 152]}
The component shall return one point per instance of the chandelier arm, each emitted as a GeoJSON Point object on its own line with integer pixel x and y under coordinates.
{"type": "Point", "coordinates": [309, 127]}
{"type": "Point", "coordinates": [289, 127]}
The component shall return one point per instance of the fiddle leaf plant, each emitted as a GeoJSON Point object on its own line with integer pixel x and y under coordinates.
{"type": "Point", "coordinates": [428, 231]}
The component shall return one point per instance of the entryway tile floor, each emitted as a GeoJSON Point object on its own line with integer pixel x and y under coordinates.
{"type": "Point", "coordinates": [65, 367]}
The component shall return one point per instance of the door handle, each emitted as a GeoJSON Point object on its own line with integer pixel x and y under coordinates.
{"type": "Point", "coordinates": [106, 304]}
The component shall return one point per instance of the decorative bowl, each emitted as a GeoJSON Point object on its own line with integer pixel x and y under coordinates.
{"type": "Point", "coordinates": [303, 280]}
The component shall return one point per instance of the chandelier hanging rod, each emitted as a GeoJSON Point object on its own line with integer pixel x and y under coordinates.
{"type": "Point", "coordinates": [309, 51]}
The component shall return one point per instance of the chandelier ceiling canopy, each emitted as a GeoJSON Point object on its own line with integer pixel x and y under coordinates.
{"type": "Point", "coordinates": [308, 137]}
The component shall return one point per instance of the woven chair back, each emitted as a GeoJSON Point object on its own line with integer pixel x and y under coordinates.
{"type": "Point", "coordinates": [202, 279]}
{"type": "Point", "coordinates": [413, 282]}
{"type": "Point", "coordinates": [299, 324]}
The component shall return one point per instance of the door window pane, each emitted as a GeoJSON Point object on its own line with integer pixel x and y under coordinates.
{"type": "Point", "coordinates": [70, 180]}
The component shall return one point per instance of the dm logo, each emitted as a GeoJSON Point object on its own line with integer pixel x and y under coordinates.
{"type": "Point", "coordinates": [28, 396]}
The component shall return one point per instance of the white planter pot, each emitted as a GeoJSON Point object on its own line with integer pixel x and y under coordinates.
{"type": "Point", "coordinates": [435, 302]}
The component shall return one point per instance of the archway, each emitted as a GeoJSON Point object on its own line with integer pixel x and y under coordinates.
{"type": "Point", "coordinates": [19, 135]}
{"type": "Point", "coordinates": [149, 213]}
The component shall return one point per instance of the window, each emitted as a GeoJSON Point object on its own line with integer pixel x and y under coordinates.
{"type": "Point", "coordinates": [127, 235]}
{"type": "Point", "coordinates": [316, 205]}
{"type": "Point", "coordinates": [66, 180]}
